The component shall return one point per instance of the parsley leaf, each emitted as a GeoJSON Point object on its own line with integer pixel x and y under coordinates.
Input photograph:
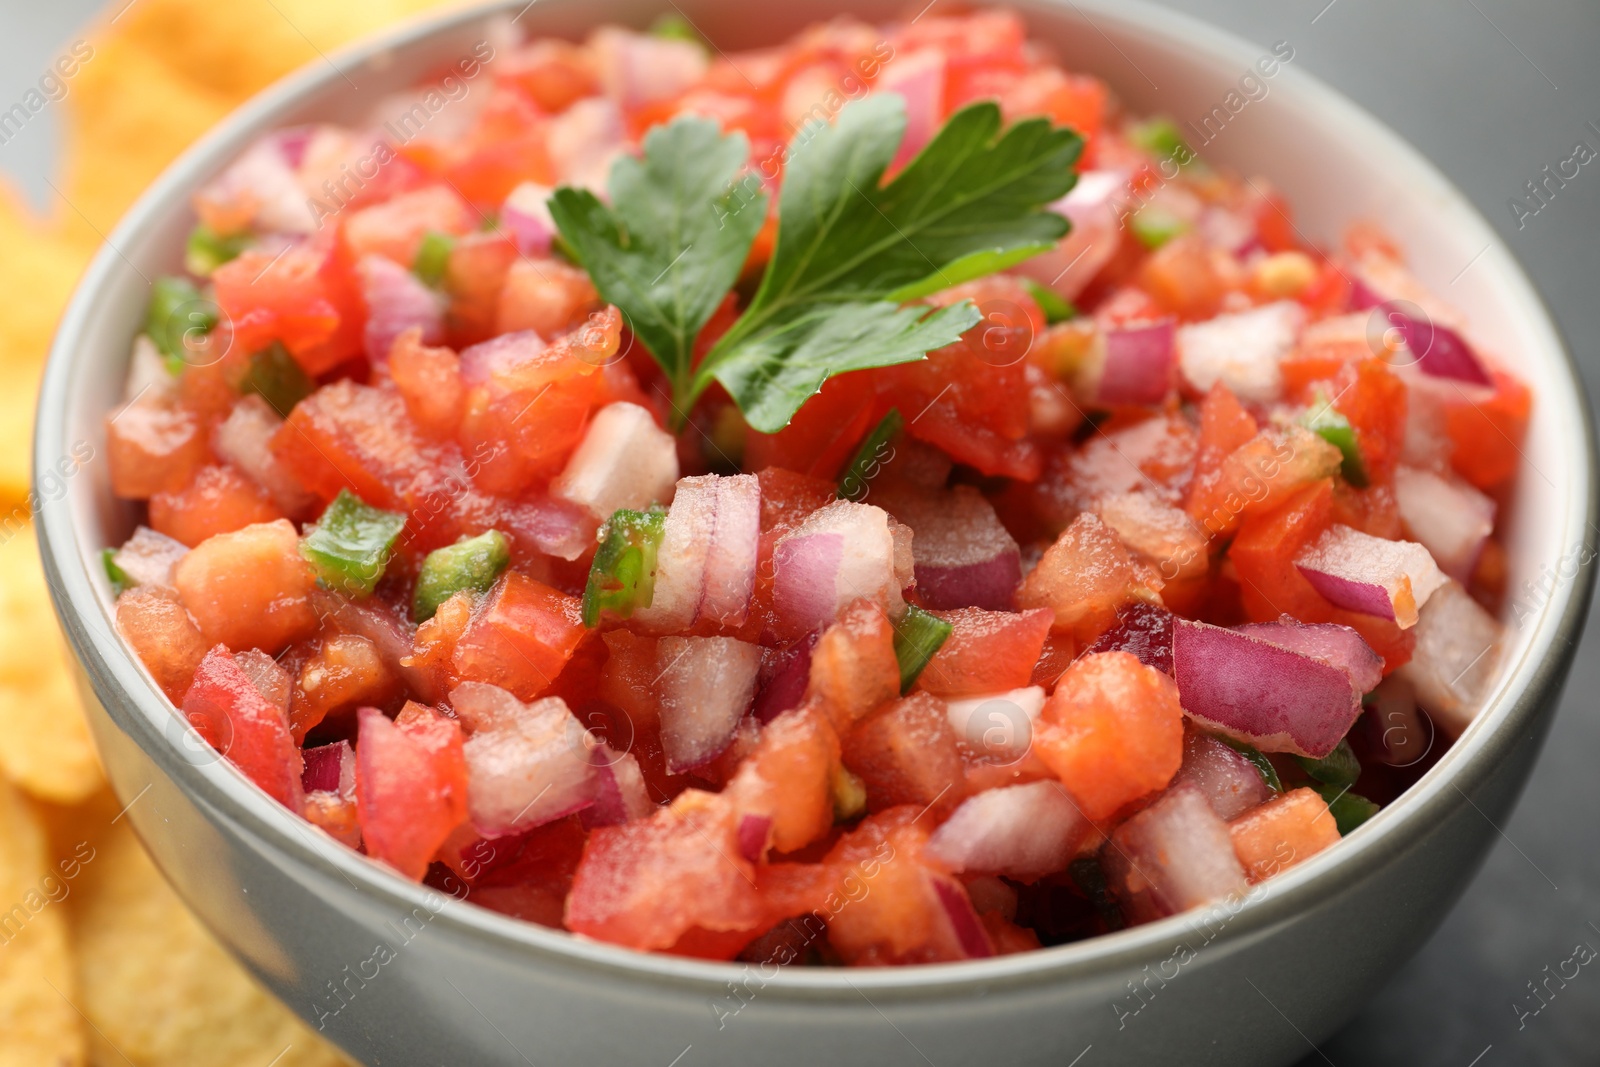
{"type": "Point", "coordinates": [672, 242]}
{"type": "Point", "coordinates": [850, 251]}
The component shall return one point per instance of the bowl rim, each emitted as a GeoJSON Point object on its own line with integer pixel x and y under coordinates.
{"type": "Point", "coordinates": [137, 707]}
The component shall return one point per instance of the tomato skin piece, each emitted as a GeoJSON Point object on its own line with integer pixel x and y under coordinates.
{"type": "Point", "coordinates": [824, 433]}
{"type": "Point", "coordinates": [1112, 731]}
{"type": "Point", "coordinates": [218, 500]}
{"type": "Point", "coordinates": [411, 785]}
{"type": "Point", "coordinates": [225, 707]}
{"type": "Point", "coordinates": [521, 636]}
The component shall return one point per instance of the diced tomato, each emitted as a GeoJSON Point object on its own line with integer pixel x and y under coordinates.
{"type": "Point", "coordinates": [789, 778]}
{"type": "Point", "coordinates": [823, 434]}
{"type": "Point", "coordinates": [1056, 656]}
{"type": "Point", "coordinates": [1181, 277]}
{"type": "Point", "coordinates": [1264, 550]}
{"type": "Point", "coordinates": [249, 588]}
{"type": "Point", "coordinates": [433, 646]}
{"type": "Point", "coordinates": [553, 73]}
{"type": "Point", "coordinates": [1286, 830]}
{"type": "Point", "coordinates": [546, 296]}
{"type": "Point", "coordinates": [153, 448]}
{"type": "Point", "coordinates": [505, 147]}
{"type": "Point", "coordinates": [853, 666]}
{"type": "Point", "coordinates": [345, 672]}
{"type": "Point", "coordinates": [1112, 731]}
{"type": "Point", "coordinates": [1486, 435]}
{"type": "Point", "coordinates": [987, 651]}
{"type": "Point", "coordinates": [429, 380]}
{"type": "Point", "coordinates": [225, 707]}
{"type": "Point", "coordinates": [1264, 472]}
{"type": "Point", "coordinates": [411, 786]}
{"type": "Point", "coordinates": [907, 754]}
{"type": "Point", "coordinates": [1083, 578]}
{"type": "Point", "coordinates": [1275, 224]}
{"type": "Point", "coordinates": [1373, 398]}
{"type": "Point", "coordinates": [154, 621]}
{"type": "Point", "coordinates": [474, 275]}
{"type": "Point", "coordinates": [646, 884]}
{"type": "Point", "coordinates": [520, 637]}
{"type": "Point", "coordinates": [307, 296]}
{"type": "Point", "coordinates": [396, 227]}
{"type": "Point", "coordinates": [1328, 293]}
{"type": "Point", "coordinates": [1224, 427]}
{"type": "Point", "coordinates": [218, 500]}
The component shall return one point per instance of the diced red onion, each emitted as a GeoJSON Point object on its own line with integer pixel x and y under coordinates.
{"type": "Point", "coordinates": [526, 217]}
{"type": "Point", "coordinates": [147, 558]}
{"type": "Point", "coordinates": [1242, 350]}
{"type": "Point", "coordinates": [1020, 831]}
{"type": "Point", "coordinates": [625, 460]}
{"type": "Point", "coordinates": [1174, 855]}
{"type": "Point", "coordinates": [839, 553]}
{"type": "Point", "coordinates": [706, 685]}
{"type": "Point", "coordinates": [1456, 657]}
{"type": "Point", "coordinates": [1249, 689]}
{"type": "Point", "coordinates": [1137, 368]}
{"type": "Point", "coordinates": [527, 764]}
{"type": "Point", "coordinates": [965, 557]}
{"type": "Point", "coordinates": [261, 191]}
{"type": "Point", "coordinates": [1439, 350]}
{"type": "Point", "coordinates": [997, 727]}
{"type": "Point", "coordinates": [753, 831]}
{"type": "Point", "coordinates": [705, 566]}
{"type": "Point", "coordinates": [919, 79]}
{"type": "Point", "coordinates": [1373, 575]}
{"type": "Point", "coordinates": [785, 674]}
{"type": "Point", "coordinates": [1142, 629]}
{"type": "Point", "coordinates": [620, 794]}
{"type": "Point", "coordinates": [1451, 518]}
{"type": "Point", "coordinates": [1362, 296]}
{"type": "Point", "coordinates": [148, 380]}
{"type": "Point", "coordinates": [244, 439]}
{"type": "Point", "coordinates": [637, 68]}
{"type": "Point", "coordinates": [731, 555]}
{"type": "Point", "coordinates": [584, 140]}
{"type": "Point", "coordinates": [547, 525]}
{"type": "Point", "coordinates": [1094, 208]}
{"type": "Point", "coordinates": [396, 300]}
{"type": "Point", "coordinates": [1230, 782]}
{"type": "Point", "coordinates": [964, 921]}
{"type": "Point", "coordinates": [292, 143]}
{"type": "Point", "coordinates": [330, 769]}
{"type": "Point", "coordinates": [1330, 643]}
{"type": "Point", "coordinates": [1399, 732]}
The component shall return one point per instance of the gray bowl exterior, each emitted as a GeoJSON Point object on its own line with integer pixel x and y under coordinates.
{"type": "Point", "coordinates": [399, 974]}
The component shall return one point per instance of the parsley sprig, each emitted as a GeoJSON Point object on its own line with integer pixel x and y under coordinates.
{"type": "Point", "coordinates": [850, 254]}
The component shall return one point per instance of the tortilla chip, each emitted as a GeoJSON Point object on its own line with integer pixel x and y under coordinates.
{"type": "Point", "coordinates": [37, 991]}
{"type": "Point", "coordinates": [158, 988]}
{"type": "Point", "coordinates": [44, 738]}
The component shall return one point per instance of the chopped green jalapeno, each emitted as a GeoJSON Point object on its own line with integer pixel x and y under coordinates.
{"type": "Point", "coordinates": [869, 457]}
{"type": "Point", "coordinates": [116, 575]}
{"type": "Point", "coordinates": [433, 256]}
{"type": "Point", "coordinates": [623, 575]}
{"type": "Point", "coordinates": [1050, 302]}
{"type": "Point", "coordinates": [471, 563]}
{"type": "Point", "coordinates": [207, 250]}
{"type": "Point", "coordinates": [350, 545]}
{"type": "Point", "coordinates": [916, 638]}
{"type": "Point", "coordinates": [1339, 768]}
{"type": "Point", "coordinates": [1334, 428]}
{"type": "Point", "coordinates": [177, 309]}
{"type": "Point", "coordinates": [1349, 810]}
{"type": "Point", "coordinates": [280, 381]}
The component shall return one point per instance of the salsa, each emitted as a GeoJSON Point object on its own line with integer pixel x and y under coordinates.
{"type": "Point", "coordinates": [871, 500]}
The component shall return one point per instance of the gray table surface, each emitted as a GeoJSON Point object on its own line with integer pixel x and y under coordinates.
{"type": "Point", "coordinates": [1491, 90]}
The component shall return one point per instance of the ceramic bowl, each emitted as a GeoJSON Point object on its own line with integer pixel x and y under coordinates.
{"type": "Point", "coordinates": [397, 974]}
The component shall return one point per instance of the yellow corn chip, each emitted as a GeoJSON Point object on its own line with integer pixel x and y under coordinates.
{"type": "Point", "coordinates": [155, 985]}
{"type": "Point", "coordinates": [38, 1023]}
{"type": "Point", "coordinates": [44, 739]}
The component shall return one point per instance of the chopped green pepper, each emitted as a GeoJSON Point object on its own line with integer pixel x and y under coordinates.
{"type": "Point", "coordinates": [1268, 772]}
{"type": "Point", "coordinates": [207, 250]}
{"type": "Point", "coordinates": [1050, 302]}
{"type": "Point", "coordinates": [1349, 810]}
{"type": "Point", "coordinates": [116, 575]}
{"type": "Point", "coordinates": [1333, 427]}
{"type": "Point", "coordinates": [1160, 137]}
{"type": "Point", "coordinates": [623, 575]}
{"type": "Point", "coordinates": [1339, 768]}
{"type": "Point", "coordinates": [1154, 226]}
{"type": "Point", "coordinates": [433, 256]}
{"type": "Point", "coordinates": [471, 563]}
{"type": "Point", "coordinates": [869, 457]}
{"type": "Point", "coordinates": [849, 795]}
{"type": "Point", "coordinates": [675, 27]}
{"type": "Point", "coordinates": [278, 378]}
{"type": "Point", "coordinates": [350, 545]}
{"type": "Point", "coordinates": [916, 638]}
{"type": "Point", "coordinates": [177, 308]}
